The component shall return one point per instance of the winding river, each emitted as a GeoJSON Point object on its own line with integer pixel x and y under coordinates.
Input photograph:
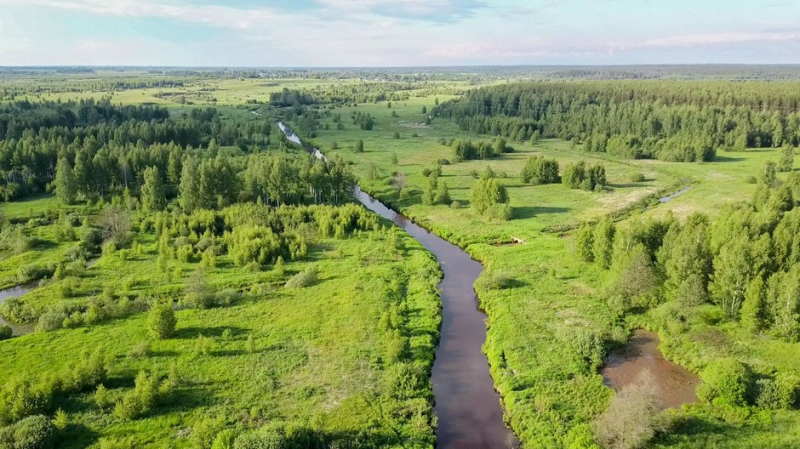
{"type": "Point", "coordinates": [467, 406]}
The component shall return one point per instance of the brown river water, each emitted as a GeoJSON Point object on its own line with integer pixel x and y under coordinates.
{"type": "Point", "coordinates": [676, 385]}
{"type": "Point", "coordinates": [467, 406]}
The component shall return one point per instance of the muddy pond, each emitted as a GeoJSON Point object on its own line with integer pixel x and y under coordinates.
{"type": "Point", "coordinates": [675, 384]}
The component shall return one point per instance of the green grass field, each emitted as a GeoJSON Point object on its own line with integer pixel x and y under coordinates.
{"type": "Point", "coordinates": [314, 357]}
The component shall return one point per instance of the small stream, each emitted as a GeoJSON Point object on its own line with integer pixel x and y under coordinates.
{"type": "Point", "coordinates": [21, 290]}
{"type": "Point", "coordinates": [675, 384]}
{"type": "Point", "coordinates": [467, 405]}
{"type": "Point", "coordinates": [16, 292]}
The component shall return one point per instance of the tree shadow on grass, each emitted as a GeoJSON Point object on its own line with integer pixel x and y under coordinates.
{"type": "Point", "coordinates": [727, 159]}
{"type": "Point", "coordinates": [532, 211]}
{"type": "Point", "coordinates": [189, 333]}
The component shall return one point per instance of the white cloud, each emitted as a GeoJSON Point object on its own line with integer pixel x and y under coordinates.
{"type": "Point", "coordinates": [694, 40]}
{"type": "Point", "coordinates": [215, 15]}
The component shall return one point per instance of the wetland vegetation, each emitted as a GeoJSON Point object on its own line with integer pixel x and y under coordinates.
{"type": "Point", "coordinates": [239, 296]}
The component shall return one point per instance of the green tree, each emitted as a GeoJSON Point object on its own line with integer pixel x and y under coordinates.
{"type": "Point", "coordinates": [153, 197]}
{"type": "Point", "coordinates": [726, 382]}
{"type": "Point", "coordinates": [787, 158]}
{"type": "Point", "coordinates": [360, 146]}
{"type": "Point", "coordinates": [769, 176]}
{"type": "Point", "coordinates": [686, 257]}
{"type": "Point", "coordinates": [66, 183]}
{"type": "Point", "coordinates": [734, 268]}
{"type": "Point", "coordinates": [486, 193]}
{"type": "Point", "coordinates": [161, 320]}
{"type": "Point", "coordinates": [584, 243]}
{"type": "Point", "coordinates": [603, 238]}
{"type": "Point", "coordinates": [443, 194]}
{"type": "Point", "coordinates": [754, 307]}
{"type": "Point", "coordinates": [190, 186]}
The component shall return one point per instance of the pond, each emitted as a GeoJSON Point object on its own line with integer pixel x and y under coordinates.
{"type": "Point", "coordinates": [675, 384]}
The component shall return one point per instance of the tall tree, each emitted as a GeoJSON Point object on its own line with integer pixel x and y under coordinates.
{"type": "Point", "coordinates": [66, 183]}
{"type": "Point", "coordinates": [190, 186]}
{"type": "Point", "coordinates": [153, 198]}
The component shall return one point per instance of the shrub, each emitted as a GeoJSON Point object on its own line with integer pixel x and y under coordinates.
{"type": "Point", "coordinates": [51, 321]}
{"type": "Point", "coordinates": [305, 278]}
{"type": "Point", "coordinates": [101, 397]}
{"type": "Point", "coordinates": [500, 212]}
{"type": "Point", "coordinates": [33, 272]}
{"type": "Point", "coordinates": [751, 180]}
{"type": "Point", "coordinates": [725, 382]}
{"type": "Point", "coordinates": [198, 293]}
{"type": "Point", "coordinates": [68, 288]}
{"type": "Point", "coordinates": [33, 432]}
{"type": "Point", "coordinates": [161, 320]}
{"type": "Point", "coordinates": [265, 438]}
{"type": "Point", "coordinates": [224, 440]}
{"type": "Point", "coordinates": [455, 205]}
{"type": "Point", "coordinates": [638, 177]}
{"type": "Point", "coordinates": [778, 393]}
{"type": "Point", "coordinates": [495, 280]}
{"type": "Point", "coordinates": [61, 420]}
{"type": "Point", "coordinates": [141, 399]}
{"type": "Point", "coordinates": [5, 332]}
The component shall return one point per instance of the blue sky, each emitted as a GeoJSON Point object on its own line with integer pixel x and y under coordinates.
{"type": "Point", "coordinates": [269, 33]}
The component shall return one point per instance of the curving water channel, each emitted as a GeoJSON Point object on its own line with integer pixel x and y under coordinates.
{"type": "Point", "coordinates": [467, 406]}
{"type": "Point", "coordinates": [16, 292]}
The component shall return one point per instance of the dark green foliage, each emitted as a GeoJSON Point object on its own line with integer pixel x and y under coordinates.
{"type": "Point", "coordinates": [726, 382]}
{"type": "Point", "coordinates": [153, 197]}
{"type": "Point", "coordinates": [467, 150]}
{"type": "Point", "coordinates": [780, 393]}
{"type": "Point", "coordinates": [581, 176]}
{"type": "Point", "coordinates": [442, 194]}
{"type": "Point", "coordinates": [34, 432]}
{"type": "Point", "coordinates": [769, 176]}
{"type": "Point", "coordinates": [5, 332]}
{"type": "Point", "coordinates": [539, 170]}
{"type": "Point", "coordinates": [721, 116]}
{"type": "Point", "coordinates": [359, 146]}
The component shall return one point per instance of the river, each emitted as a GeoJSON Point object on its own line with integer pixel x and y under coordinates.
{"type": "Point", "coordinates": [467, 406]}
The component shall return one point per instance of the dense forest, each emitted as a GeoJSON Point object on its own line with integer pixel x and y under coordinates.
{"type": "Point", "coordinates": [670, 121]}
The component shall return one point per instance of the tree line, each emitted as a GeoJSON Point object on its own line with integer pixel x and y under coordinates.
{"type": "Point", "coordinates": [667, 120]}
{"type": "Point", "coordinates": [110, 146]}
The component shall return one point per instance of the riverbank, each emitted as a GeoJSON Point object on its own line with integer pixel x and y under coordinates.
{"type": "Point", "coordinates": [467, 406]}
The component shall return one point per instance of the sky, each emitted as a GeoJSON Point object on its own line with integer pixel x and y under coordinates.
{"type": "Point", "coordinates": [379, 33]}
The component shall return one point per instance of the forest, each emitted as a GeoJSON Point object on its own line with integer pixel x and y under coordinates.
{"type": "Point", "coordinates": [670, 121]}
